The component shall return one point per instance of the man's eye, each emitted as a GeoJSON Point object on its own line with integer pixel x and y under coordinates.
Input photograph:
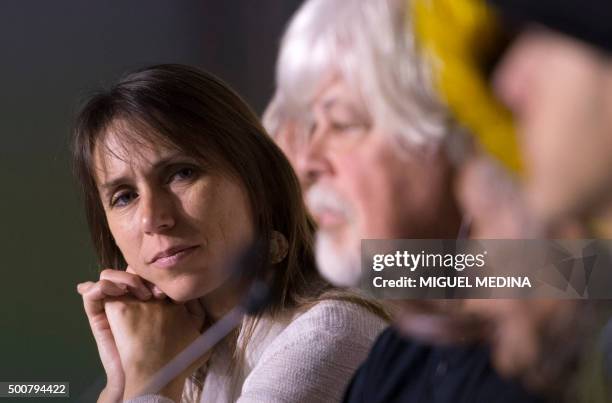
{"type": "Point", "coordinates": [345, 126]}
{"type": "Point", "coordinates": [311, 129]}
{"type": "Point", "coordinates": [123, 199]}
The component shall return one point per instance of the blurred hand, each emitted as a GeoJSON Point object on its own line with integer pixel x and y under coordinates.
{"type": "Point", "coordinates": [517, 330]}
{"type": "Point", "coordinates": [493, 201]}
{"type": "Point", "coordinates": [522, 330]}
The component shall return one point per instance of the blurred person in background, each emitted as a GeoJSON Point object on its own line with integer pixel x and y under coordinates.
{"type": "Point", "coordinates": [374, 155]}
{"type": "Point", "coordinates": [178, 177]}
{"type": "Point", "coordinates": [564, 140]}
{"type": "Point", "coordinates": [378, 151]}
{"type": "Point", "coordinates": [285, 131]}
{"type": "Point", "coordinates": [549, 64]}
{"type": "Point", "coordinates": [556, 78]}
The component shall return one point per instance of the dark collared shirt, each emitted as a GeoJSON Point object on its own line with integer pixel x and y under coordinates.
{"type": "Point", "coordinates": [403, 370]}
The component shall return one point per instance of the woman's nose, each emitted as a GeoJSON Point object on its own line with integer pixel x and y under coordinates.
{"type": "Point", "coordinates": [156, 212]}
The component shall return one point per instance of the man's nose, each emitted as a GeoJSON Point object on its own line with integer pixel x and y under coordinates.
{"type": "Point", "coordinates": [312, 161]}
{"type": "Point", "coordinates": [157, 213]}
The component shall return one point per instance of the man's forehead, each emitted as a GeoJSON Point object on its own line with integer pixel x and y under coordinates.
{"type": "Point", "coordinates": [337, 92]}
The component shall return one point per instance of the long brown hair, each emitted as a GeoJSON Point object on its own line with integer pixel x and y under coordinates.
{"type": "Point", "coordinates": [197, 113]}
{"type": "Point", "coordinates": [200, 115]}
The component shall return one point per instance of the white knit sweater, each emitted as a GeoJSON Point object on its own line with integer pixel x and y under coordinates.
{"type": "Point", "coordinates": [308, 357]}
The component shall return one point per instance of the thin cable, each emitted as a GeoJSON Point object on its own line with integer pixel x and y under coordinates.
{"type": "Point", "coordinates": [195, 350]}
{"type": "Point", "coordinates": [256, 299]}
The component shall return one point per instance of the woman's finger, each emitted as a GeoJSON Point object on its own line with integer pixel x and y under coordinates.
{"type": "Point", "coordinates": [103, 289]}
{"type": "Point", "coordinates": [134, 283]}
{"type": "Point", "coordinates": [155, 290]}
{"type": "Point", "coordinates": [83, 287]}
{"type": "Point", "coordinates": [95, 294]}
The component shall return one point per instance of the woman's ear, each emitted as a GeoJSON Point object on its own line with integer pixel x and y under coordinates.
{"type": "Point", "coordinates": [278, 247]}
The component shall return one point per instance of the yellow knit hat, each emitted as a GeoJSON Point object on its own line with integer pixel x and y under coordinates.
{"type": "Point", "coordinates": [458, 37]}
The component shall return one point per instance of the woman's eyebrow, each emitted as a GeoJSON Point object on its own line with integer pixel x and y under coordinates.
{"type": "Point", "coordinates": [114, 183]}
{"type": "Point", "coordinates": [158, 165]}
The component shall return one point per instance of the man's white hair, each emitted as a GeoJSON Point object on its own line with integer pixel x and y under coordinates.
{"type": "Point", "coordinates": [371, 44]}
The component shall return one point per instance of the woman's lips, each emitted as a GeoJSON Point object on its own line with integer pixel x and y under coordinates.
{"type": "Point", "coordinates": [174, 259]}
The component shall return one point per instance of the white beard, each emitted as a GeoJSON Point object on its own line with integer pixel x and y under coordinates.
{"type": "Point", "coordinates": [340, 267]}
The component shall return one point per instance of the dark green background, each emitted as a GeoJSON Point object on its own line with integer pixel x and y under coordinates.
{"type": "Point", "coordinates": [52, 54]}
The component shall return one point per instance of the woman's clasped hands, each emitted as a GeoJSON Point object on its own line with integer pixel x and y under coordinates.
{"type": "Point", "coordinates": [137, 331]}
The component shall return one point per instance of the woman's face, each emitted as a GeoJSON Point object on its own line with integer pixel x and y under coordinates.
{"type": "Point", "coordinates": [176, 222]}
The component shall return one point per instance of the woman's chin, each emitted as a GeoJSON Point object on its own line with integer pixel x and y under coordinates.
{"type": "Point", "coordinates": [179, 298]}
{"type": "Point", "coordinates": [182, 293]}
{"type": "Point", "coordinates": [182, 296]}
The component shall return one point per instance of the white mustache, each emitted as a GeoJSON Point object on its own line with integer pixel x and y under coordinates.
{"type": "Point", "coordinates": [320, 200]}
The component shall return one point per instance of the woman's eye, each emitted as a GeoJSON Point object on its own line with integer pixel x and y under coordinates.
{"type": "Point", "coordinates": [123, 199]}
{"type": "Point", "coordinates": [184, 174]}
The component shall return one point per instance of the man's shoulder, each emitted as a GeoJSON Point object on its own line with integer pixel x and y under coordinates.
{"type": "Point", "coordinates": [405, 369]}
{"type": "Point", "coordinates": [391, 349]}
